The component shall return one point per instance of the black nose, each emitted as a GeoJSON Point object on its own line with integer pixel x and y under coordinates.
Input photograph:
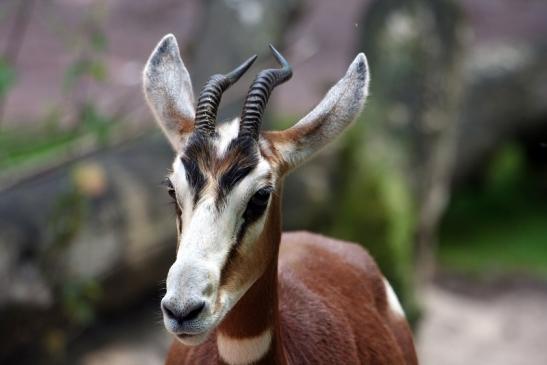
{"type": "Point", "coordinates": [189, 312]}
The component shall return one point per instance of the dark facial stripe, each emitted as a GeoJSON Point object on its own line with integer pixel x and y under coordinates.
{"type": "Point", "coordinates": [240, 158]}
{"type": "Point", "coordinates": [196, 155]}
{"type": "Point", "coordinates": [234, 175]}
{"type": "Point", "coordinates": [194, 176]}
{"type": "Point", "coordinates": [256, 207]}
{"type": "Point", "coordinates": [242, 155]}
{"type": "Point", "coordinates": [233, 252]}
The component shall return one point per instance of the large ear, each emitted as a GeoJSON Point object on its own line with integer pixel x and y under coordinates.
{"type": "Point", "coordinates": [168, 90]}
{"type": "Point", "coordinates": [342, 104]}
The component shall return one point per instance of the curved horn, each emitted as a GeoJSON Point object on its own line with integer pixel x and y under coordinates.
{"type": "Point", "coordinates": [259, 93]}
{"type": "Point", "coordinates": [209, 97]}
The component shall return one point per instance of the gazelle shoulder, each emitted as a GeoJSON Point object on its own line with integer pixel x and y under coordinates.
{"type": "Point", "coordinates": [304, 245]}
{"type": "Point", "coordinates": [341, 265]}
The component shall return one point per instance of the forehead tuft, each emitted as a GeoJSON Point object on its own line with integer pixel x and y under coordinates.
{"type": "Point", "coordinates": [226, 133]}
{"type": "Point", "coordinates": [219, 162]}
{"type": "Point", "coordinates": [219, 153]}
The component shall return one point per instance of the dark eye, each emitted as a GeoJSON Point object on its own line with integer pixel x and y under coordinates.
{"type": "Point", "coordinates": [257, 204]}
{"type": "Point", "coordinates": [173, 195]}
{"type": "Point", "coordinates": [170, 189]}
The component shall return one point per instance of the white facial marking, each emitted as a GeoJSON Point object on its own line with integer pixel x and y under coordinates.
{"type": "Point", "coordinates": [239, 351]}
{"type": "Point", "coordinates": [182, 189]}
{"type": "Point", "coordinates": [392, 299]}
{"type": "Point", "coordinates": [227, 132]}
{"type": "Point", "coordinates": [207, 236]}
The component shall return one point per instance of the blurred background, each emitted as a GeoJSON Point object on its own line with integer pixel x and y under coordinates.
{"type": "Point", "coordinates": [443, 178]}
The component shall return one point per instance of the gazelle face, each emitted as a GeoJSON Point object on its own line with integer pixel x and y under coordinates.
{"type": "Point", "coordinates": [222, 188]}
{"type": "Point", "coordinates": [226, 181]}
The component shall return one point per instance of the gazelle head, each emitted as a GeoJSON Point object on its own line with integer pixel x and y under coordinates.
{"type": "Point", "coordinates": [226, 180]}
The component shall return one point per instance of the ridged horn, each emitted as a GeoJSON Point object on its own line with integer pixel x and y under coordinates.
{"type": "Point", "coordinates": [259, 93]}
{"type": "Point", "coordinates": [210, 95]}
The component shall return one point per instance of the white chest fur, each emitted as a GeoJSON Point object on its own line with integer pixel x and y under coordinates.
{"type": "Point", "coordinates": [240, 351]}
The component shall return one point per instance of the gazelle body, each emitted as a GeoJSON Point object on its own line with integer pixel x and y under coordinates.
{"type": "Point", "coordinates": [239, 291]}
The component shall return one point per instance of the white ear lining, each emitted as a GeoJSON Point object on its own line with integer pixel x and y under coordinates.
{"type": "Point", "coordinates": [340, 106]}
{"type": "Point", "coordinates": [168, 90]}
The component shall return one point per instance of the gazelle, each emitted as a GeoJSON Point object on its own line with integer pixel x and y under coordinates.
{"type": "Point", "coordinates": [239, 291]}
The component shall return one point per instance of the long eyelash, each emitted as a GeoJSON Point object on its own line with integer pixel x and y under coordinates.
{"type": "Point", "coordinates": [166, 182]}
{"type": "Point", "coordinates": [170, 190]}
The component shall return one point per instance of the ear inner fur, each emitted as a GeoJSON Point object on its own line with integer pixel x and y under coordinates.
{"type": "Point", "coordinates": [168, 91]}
{"type": "Point", "coordinates": [340, 106]}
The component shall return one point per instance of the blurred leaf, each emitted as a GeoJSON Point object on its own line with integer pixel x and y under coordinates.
{"type": "Point", "coordinates": [49, 139]}
{"type": "Point", "coordinates": [98, 40]}
{"type": "Point", "coordinates": [73, 73]}
{"type": "Point", "coordinates": [7, 77]}
{"type": "Point", "coordinates": [97, 70]}
{"type": "Point", "coordinates": [507, 167]}
{"type": "Point", "coordinates": [14, 146]}
{"type": "Point", "coordinates": [518, 246]}
{"type": "Point", "coordinates": [66, 219]}
{"type": "Point", "coordinates": [96, 122]}
{"type": "Point", "coordinates": [498, 226]}
{"type": "Point", "coordinates": [84, 67]}
{"type": "Point", "coordinates": [79, 298]}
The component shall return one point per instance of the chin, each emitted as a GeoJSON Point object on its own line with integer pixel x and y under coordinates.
{"type": "Point", "coordinates": [193, 340]}
{"type": "Point", "coordinates": [193, 337]}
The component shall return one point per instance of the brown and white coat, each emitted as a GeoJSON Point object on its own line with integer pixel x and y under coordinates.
{"type": "Point", "coordinates": [240, 291]}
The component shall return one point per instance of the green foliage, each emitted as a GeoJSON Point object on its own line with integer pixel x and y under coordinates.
{"type": "Point", "coordinates": [78, 298]}
{"type": "Point", "coordinates": [7, 77]}
{"type": "Point", "coordinates": [97, 38]}
{"type": "Point", "coordinates": [94, 68]}
{"type": "Point", "coordinates": [50, 140]}
{"type": "Point", "coordinates": [66, 219]}
{"type": "Point", "coordinates": [96, 122]}
{"type": "Point", "coordinates": [377, 211]}
{"type": "Point", "coordinates": [506, 168]}
{"type": "Point", "coordinates": [516, 246]}
{"type": "Point", "coordinates": [88, 64]}
{"type": "Point", "coordinates": [87, 42]}
{"type": "Point", "coordinates": [500, 225]}
{"type": "Point", "coordinates": [15, 146]}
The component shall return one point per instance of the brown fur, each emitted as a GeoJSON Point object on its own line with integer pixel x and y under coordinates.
{"type": "Point", "coordinates": [325, 300]}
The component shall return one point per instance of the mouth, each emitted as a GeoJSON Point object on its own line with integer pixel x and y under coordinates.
{"type": "Point", "coordinates": [189, 336]}
{"type": "Point", "coordinates": [195, 331]}
{"type": "Point", "coordinates": [190, 332]}
{"type": "Point", "coordinates": [188, 329]}
{"type": "Point", "coordinates": [192, 339]}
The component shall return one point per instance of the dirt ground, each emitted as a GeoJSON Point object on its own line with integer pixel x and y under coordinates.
{"type": "Point", "coordinates": [466, 324]}
{"type": "Point", "coordinates": [502, 326]}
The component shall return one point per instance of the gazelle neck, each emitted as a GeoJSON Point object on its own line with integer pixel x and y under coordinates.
{"type": "Point", "coordinates": [250, 333]}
